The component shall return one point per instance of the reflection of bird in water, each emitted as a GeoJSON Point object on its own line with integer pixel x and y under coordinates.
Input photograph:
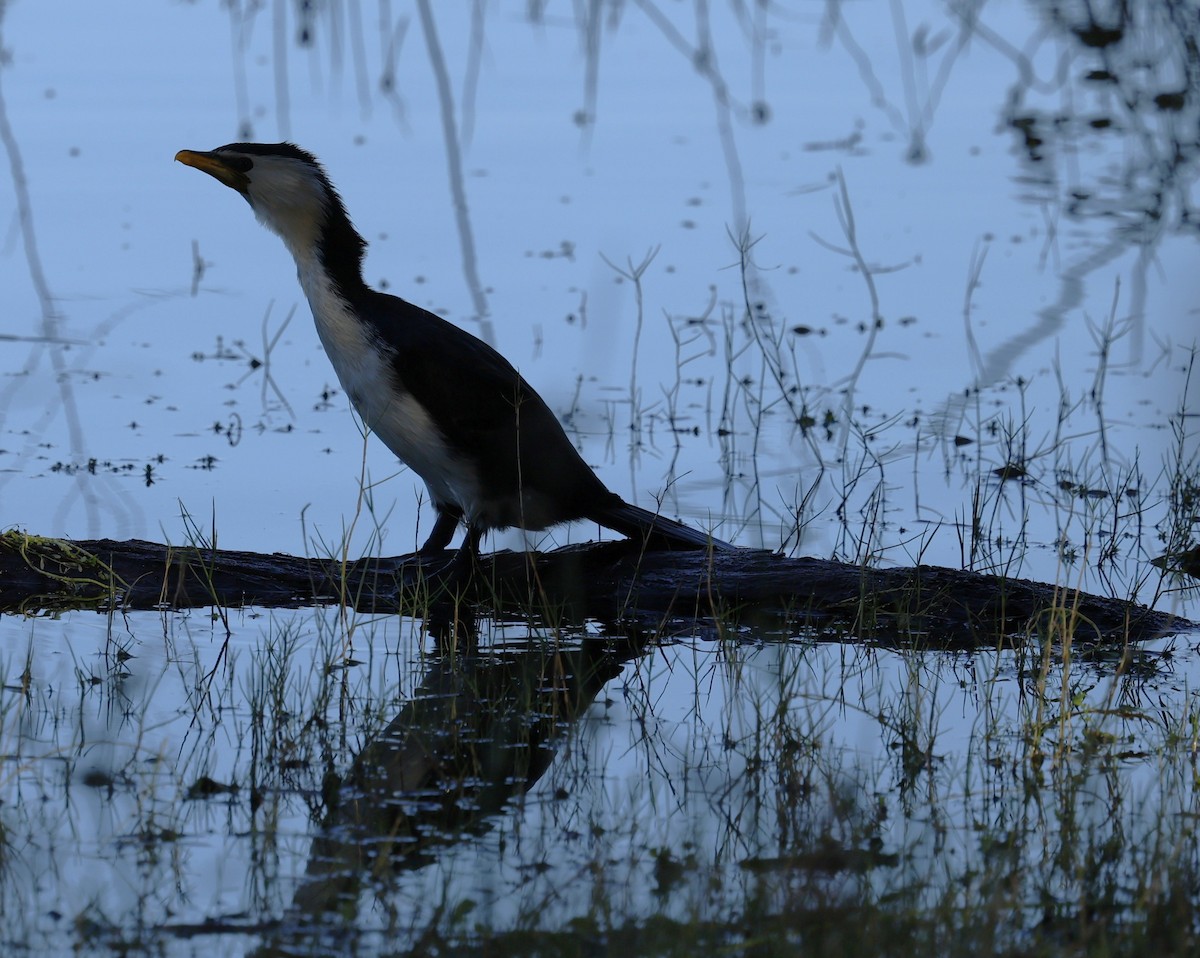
{"type": "Point", "coordinates": [491, 452]}
{"type": "Point", "coordinates": [476, 732]}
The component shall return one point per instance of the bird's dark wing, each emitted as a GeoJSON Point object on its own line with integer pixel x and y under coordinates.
{"type": "Point", "coordinates": [481, 404]}
{"type": "Point", "coordinates": [454, 375]}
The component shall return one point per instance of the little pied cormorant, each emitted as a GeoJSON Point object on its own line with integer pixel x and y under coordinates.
{"type": "Point", "coordinates": [489, 449]}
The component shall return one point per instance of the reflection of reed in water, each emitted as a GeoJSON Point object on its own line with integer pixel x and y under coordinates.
{"type": "Point", "coordinates": [479, 730]}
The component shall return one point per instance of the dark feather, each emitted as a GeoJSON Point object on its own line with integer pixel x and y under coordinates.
{"type": "Point", "coordinates": [482, 406]}
{"type": "Point", "coordinates": [657, 531]}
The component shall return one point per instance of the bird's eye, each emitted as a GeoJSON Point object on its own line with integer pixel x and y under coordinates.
{"type": "Point", "coordinates": [242, 164]}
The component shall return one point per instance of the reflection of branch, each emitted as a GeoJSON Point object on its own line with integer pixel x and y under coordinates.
{"type": "Point", "coordinates": [359, 55]}
{"type": "Point", "coordinates": [280, 61]}
{"type": "Point", "coordinates": [268, 346]}
{"type": "Point", "coordinates": [454, 167]}
{"type": "Point", "coordinates": [914, 51]}
{"type": "Point", "coordinates": [845, 214]}
{"type": "Point", "coordinates": [834, 23]}
{"type": "Point", "coordinates": [974, 274]}
{"type": "Point", "coordinates": [471, 80]}
{"type": "Point", "coordinates": [591, 32]}
{"type": "Point", "coordinates": [1121, 152]}
{"type": "Point", "coordinates": [238, 33]}
{"type": "Point", "coordinates": [50, 318]}
{"type": "Point", "coordinates": [703, 59]}
{"type": "Point", "coordinates": [634, 273]}
{"type": "Point", "coordinates": [706, 64]}
{"type": "Point", "coordinates": [393, 43]}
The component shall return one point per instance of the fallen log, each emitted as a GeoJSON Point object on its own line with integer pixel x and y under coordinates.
{"type": "Point", "coordinates": [607, 582]}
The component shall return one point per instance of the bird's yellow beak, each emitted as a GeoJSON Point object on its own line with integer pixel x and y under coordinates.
{"type": "Point", "coordinates": [215, 165]}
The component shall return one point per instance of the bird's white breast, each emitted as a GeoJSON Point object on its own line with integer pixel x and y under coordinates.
{"type": "Point", "coordinates": [363, 364]}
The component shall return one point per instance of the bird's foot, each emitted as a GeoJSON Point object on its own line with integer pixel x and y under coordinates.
{"type": "Point", "coordinates": [450, 617]}
{"type": "Point", "coordinates": [441, 576]}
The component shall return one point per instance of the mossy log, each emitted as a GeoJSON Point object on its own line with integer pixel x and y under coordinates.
{"type": "Point", "coordinates": [607, 582]}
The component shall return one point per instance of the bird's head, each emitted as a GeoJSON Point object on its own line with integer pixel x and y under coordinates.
{"type": "Point", "coordinates": [289, 193]}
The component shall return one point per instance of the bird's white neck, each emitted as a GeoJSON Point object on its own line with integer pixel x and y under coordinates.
{"type": "Point", "coordinates": [344, 336]}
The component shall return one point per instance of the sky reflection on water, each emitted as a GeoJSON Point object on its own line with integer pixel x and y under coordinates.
{"type": "Point", "coordinates": [1014, 216]}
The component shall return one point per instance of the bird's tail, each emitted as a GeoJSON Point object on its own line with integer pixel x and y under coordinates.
{"type": "Point", "coordinates": [658, 532]}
